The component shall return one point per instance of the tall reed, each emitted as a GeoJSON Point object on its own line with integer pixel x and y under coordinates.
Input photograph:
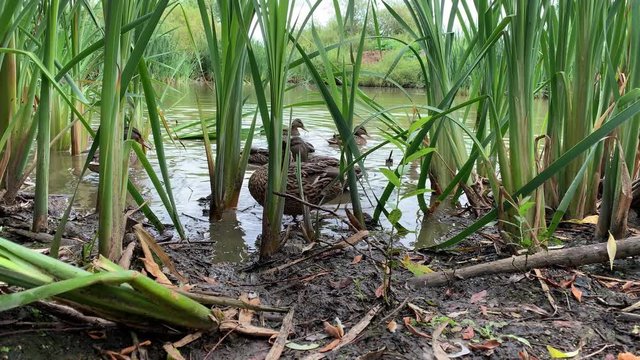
{"type": "Point", "coordinates": [41, 204]}
{"type": "Point", "coordinates": [274, 23]}
{"type": "Point", "coordinates": [228, 53]}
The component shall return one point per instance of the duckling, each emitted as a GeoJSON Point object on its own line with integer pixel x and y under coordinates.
{"type": "Point", "coordinates": [320, 183]}
{"type": "Point", "coordinates": [359, 137]}
{"type": "Point", "coordinates": [135, 135]}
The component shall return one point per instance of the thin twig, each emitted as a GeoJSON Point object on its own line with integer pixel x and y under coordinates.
{"type": "Point", "coordinates": [351, 241]}
{"type": "Point", "coordinates": [396, 310]}
{"type": "Point", "coordinates": [597, 352]}
{"type": "Point", "coordinates": [317, 207]}
{"type": "Point", "coordinates": [547, 292]}
{"type": "Point", "coordinates": [218, 343]}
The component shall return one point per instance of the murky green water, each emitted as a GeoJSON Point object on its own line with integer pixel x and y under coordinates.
{"type": "Point", "coordinates": [189, 175]}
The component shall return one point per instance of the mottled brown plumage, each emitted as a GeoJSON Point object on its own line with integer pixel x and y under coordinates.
{"type": "Point", "coordinates": [135, 135]}
{"type": "Point", "coordinates": [299, 148]}
{"type": "Point", "coordinates": [320, 183]}
{"type": "Point", "coordinates": [296, 124]}
{"type": "Point", "coordinates": [359, 137]}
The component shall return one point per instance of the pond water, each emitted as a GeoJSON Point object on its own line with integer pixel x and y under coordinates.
{"type": "Point", "coordinates": [235, 236]}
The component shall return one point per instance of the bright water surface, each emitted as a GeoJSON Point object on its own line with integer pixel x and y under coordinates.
{"type": "Point", "coordinates": [234, 238]}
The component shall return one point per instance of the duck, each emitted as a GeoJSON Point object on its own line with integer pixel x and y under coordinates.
{"type": "Point", "coordinates": [359, 137]}
{"type": "Point", "coordinates": [320, 183]}
{"type": "Point", "coordinates": [296, 124]}
{"type": "Point", "coordinates": [299, 148]}
{"type": "Point", "coordinates": [134, 135]}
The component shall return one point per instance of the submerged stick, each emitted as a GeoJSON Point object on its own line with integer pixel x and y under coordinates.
{"type": "Point", "coordinates": [572, 257]}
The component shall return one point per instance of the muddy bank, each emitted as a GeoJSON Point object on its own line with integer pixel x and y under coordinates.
{"type": "Point", "coordinates": [501, 316]}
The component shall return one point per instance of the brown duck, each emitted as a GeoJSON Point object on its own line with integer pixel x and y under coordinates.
{"type": "Point", "coordinates": [135, 135]}
{"type": "Point", "coordinates": [359, 137]}
{"type": "Point", "coordinates": [299, 148]}
{"type": "Point", "coordinates": [320, 183]}
{"type": "Point", "coordinates": [296, 125]}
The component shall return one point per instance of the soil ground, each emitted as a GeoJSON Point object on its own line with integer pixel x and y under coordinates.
{"type": "Point", "coordinates": [507, 316]}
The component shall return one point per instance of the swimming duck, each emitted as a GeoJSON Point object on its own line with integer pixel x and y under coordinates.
{"type": "Point", "coordinates": [135, 135]}
{"type": "Point", "coordinates": [359, 137]}
{"type": "Point", "coordinates": [320, 183]}
{"type": "Point", "coordinates": [299, 148]}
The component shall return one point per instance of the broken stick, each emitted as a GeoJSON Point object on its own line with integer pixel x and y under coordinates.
{"type": "Point", "coordinates": [281, 340]}
{"type": "Point", "coordinates": [572, 257]}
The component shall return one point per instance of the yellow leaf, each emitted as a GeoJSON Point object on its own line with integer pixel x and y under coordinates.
{"type": "Point", "coordinates": [611, 249]}
{"type": "Point", "coordinates": [592, 219]}
{"type": "Point", "coordinates": [557, 354]}
{"type": "Point", "coordinates": [415, 268]}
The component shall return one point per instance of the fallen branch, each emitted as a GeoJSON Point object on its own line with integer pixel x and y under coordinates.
{"type": "Point", "coordinates": [281, 340]}
{"type": "Point", "coordinates": [351, 335]}
{"type": "Point", "coordinates": [39, 237]}
{"type": "Point", "coordinates": [71, 315]}
{"type": "Point", "coordinates": [351, 241]}
{"type": "Point", "coordinates": [571, 257]}
{"type": "Point", "coordinates": [317, 207]}
{"type": "Point", "coordinates": [225, 301]}
{"type": "Point", "coordinates": [247, 329]}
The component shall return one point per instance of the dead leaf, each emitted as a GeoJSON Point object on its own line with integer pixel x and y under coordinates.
{"type": "Point", "coordinates": [115, 356]}
{"type": "Point", "coordinates": [484, 310]}
{"type": "Point", "coordinates": [455, 314]}
{"type": "Point", "coordinates": [151, 243]}
{"type": "Point", "coordinates": [230, 314]}
{"type": "Point", "coordinates": [392, 326]}
{"type": "Point", "coordinates": [566, 283]}
{"type": "Point", "coordinates": [332, 330]}
{"type": "Point", "coordinates": [380, 291]}
{"type": "Point", "coordinates": [487, 345]}
{"type": "Point", "coordinates": [356, 259]}
{"type": "Point", "coordinates": [628, 356]}
{"type": "Point", "coordinates": [330, 346]}
{"type": "Point", "coordinates": [421, 314]}
{"type": "Point", "coordinates": [209, 280]}
{"type": "Point", "coordinates": [535, 309]}
{"type": "Point", "coordinates": [566, 324]}
{"type": "Point", "coordinates": [172, 352]}
{"type": "Point", "coordinates": [407, 322]}
{"type": "Point", "coordinates": [468, 333]}
{"type": "Point", "coordinates": [577, 293]}
{"type": "Point", "coordinates": [592, 219]}
{"type": "Point", "coordinates": [97, 334]}
{"type": "Point", "coordinates": [341, 284]}
{"type": "Point", "coordinates": [438, 351]}
{"type": "Point", "coordinates": [246, 315]}
{"type": "Point", "coordinates": [187, 339]}
{"type": "Point", "coordinates": [479, 296]}
{"type": "Point", "coordinates": [129, 349]}
{"type": "Point", "coordinates": [612, 247]}
{"type": "Point", "coordinates": [524, 355]}
{"type": "Point", "coordinates": [150, 264]}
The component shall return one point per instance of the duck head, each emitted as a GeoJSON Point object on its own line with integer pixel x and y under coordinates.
{"type": "Point", "coordinates": [361, 131]}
